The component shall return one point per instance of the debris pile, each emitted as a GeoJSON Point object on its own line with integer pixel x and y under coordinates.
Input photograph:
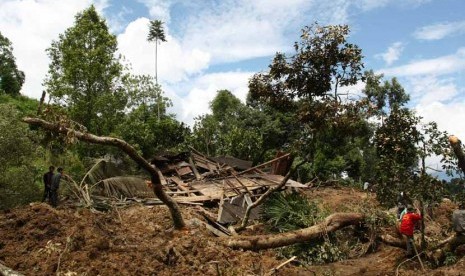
{"type": "Point", "coordinates": [195, 179]}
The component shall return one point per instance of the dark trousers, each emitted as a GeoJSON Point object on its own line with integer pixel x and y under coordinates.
{"type": "Point", "coordinates": [46, 194]}
{"type": "Point", "coordinates": [408, 240]}
{"type": "Point", "coordinates": [54, 197]}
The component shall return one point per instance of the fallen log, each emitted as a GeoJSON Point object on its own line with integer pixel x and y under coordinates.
{"type": "Point", "coordinates": [392, 241]}
{"type": "Point", "coordinates": [6, 271]}
{"type": "Point", "coordinates": [156, 176]}
{"type": "Point", "coordinates": [330, 224]}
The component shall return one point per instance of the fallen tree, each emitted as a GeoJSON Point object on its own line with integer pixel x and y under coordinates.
{"type": "Point", "coordinates": [332, 223]}
{"type": "Point", "coordinates": [155, 174]}
{"type": "Point", "coordinates": [6, 271]}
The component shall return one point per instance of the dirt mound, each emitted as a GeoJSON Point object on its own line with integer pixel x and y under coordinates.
{"type": "Point", "coordinates": [39, 240]}
{"type": "Point", "coordinates": [140, 240]}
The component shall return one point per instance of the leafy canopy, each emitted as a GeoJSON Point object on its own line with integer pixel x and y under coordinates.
{"type": "Point", "coordinates": [85, 75]}
{"type": "Point", "coordinates": [11, 79]}
{"type": "Point", "coordinates": [323, 61]}
{"type": "Point", "coordinates": [156, 31]}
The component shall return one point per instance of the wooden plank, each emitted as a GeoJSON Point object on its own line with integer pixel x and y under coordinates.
{"type": "Point", "coordinates": [180, 184]}
{"type": "Point", "coordinates": [182, 192]}
{"type": "Point", "coordinates": [264, 164]}
{"type": "Point", "coordinates": [194, 169]}
{"type": "Point", "coordinates": [242, 184]}
{"type": "Point", "coordinates": [210, 228]}
{"type": "Point", "coordinates": [278, 178]}
{"type": "Point", "coordinates": [233, 187]}
{"type": "Point", "coordinates": [181, 171]}
{"type": "Point", "coordinates": [194, 198]}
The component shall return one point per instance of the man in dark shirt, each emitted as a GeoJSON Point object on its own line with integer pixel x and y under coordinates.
{"type": "Point", "coordinates": [47, 183]}
{"type": "Point", "coordinates": [55, 184]}
{"type": "Point", "coordinates": [458, 220]}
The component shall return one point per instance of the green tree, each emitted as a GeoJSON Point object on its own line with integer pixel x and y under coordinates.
{"type": "Point", "coordinates": [233, 129]}
{"type": "Point", "coordinates": [147, 126]}
{"type": "Point", "coordinates": [384, 97]}
{"type": "Point", "coordinates": [306, 84]}
{"type": "Point", "coordinates": [18, 160]}
{"type": "Point", "coordinates": [323, 62]}
{"type": "Point", "coordinates": [86, 76]}
{"type": "Point", "coordinates": [11, 79]}
{"type": "Point", "coordinates": [156, 33]}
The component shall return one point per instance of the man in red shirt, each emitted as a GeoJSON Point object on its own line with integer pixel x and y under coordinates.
{"type": "Point", "coordinates": [407, 226]}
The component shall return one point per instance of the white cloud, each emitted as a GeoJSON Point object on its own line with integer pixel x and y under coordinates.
{"type": "Point", "coordinates": [203, 89]}
{"type": "Point", "coordinates": [159, 9]}
{"type": "Point", "coordinates": [31, 26]}
{"type": "Point", "coordinates": [238, 29]}
{"type": "Point", "coordinates": [117, 21]}
{"type": "Point", "coordinates": [435, 66]}
{"type": "Point", "coordinates": [175, 63]}
{"type": "Point", "coordinates": [447, 116]}
{"type": "Point", "coordinates": [367, 5]}
{"type": "Point", "coordinates": [392, 53]}
{"type": "Point", "coordinates": [427, 90]}
{"type": "Point", "coordinates": [440, 30]}
{"type": "Point", "coordinates": [211, 32]}
{"type": "Point", "coordinates": [372, 4]}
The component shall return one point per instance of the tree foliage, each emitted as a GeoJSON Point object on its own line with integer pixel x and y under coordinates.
{"type": "Point", "coordinates": [238, 130]}
{"type": "Point", "coordinates": [11, 78]}
{"type": "Point", "coordinates": [147, 125]}
{"type": "Point", "coordinates": [19, 159]}
{"type": "Point", "coordinates": [323, 61]}
{"type": "Point", "coordinates": [85, 75]}
{"type": "Point", "coordinates": [156, 31]}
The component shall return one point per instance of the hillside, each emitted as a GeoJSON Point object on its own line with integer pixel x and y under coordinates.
{"type": "Point", "coordinates": [140, 240]}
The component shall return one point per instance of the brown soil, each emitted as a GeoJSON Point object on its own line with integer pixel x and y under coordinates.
{"type": "Point", "coordinates": [140, 240]}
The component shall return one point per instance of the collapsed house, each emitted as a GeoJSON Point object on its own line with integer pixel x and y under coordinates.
{"type": "Point", "coordinates": [195, 179]}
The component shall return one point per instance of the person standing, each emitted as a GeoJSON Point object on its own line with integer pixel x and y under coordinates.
{"type": "Point", "coordinates": [402, 202]}
{"type": "Point", "coordinates": [407, 226]}
{"type": "Point", "coordinates": [458, 220]}
{"type": "Point", "coordinates": [48, 183]}
{"type": "Point", "coordinates": [55, 184]}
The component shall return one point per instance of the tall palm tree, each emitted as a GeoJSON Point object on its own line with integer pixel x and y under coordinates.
{"type": "Point", "coordinates": [156, 32]}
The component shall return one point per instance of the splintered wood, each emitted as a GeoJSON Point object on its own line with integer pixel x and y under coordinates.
{"type": "Point", "coordinates": [193, 178]}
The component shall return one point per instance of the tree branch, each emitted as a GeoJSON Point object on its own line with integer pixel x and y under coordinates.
{"type": "Point", "coordinates": [156, 176]}
{"type": "Point", "coordinates": [332, 223]}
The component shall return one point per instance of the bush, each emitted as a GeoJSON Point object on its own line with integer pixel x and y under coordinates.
{"type": "Point", "coordinates": [284, 212]}
{"type": "Point", "coordinates": [18, 155]}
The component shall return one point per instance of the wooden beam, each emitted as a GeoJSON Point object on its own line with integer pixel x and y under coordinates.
{"type": "Point", "coordinates": [264, 164]}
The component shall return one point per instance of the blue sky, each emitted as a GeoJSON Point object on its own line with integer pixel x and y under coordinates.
{"type": "Point", "coordinates": [215, 44]}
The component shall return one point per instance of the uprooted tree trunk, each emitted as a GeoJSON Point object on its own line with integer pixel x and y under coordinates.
{"type": "Point", "coordinates": [6, 271]}
{"type": "Point", "coordinates": [154, 172]}
{"type": "Point", "coordinates": [330, 224]}
{"type": "Point", "coordinates": [266, 195]}
{"type": "Point", "coordinates": [446, 245]}
{"type": "Point", "coordinates": [457, 147]}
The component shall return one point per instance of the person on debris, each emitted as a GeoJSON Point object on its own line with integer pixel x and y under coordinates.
{"type": "Point", "coordinates": [366, 185]}
{"type": "Point", "coordinates": [458, 220]}
{"type": "Point", "coordinates": [407, 226]}
{"type": "Point", "coordinates": [47, 183]}
{"type": "Point", "coordinates": [402, 202]}
{"type": "Point", "coordinates": [55, 185]}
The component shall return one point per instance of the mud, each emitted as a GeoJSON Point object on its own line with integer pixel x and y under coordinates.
{"type": "Point", "coordinates": [139, 240]}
